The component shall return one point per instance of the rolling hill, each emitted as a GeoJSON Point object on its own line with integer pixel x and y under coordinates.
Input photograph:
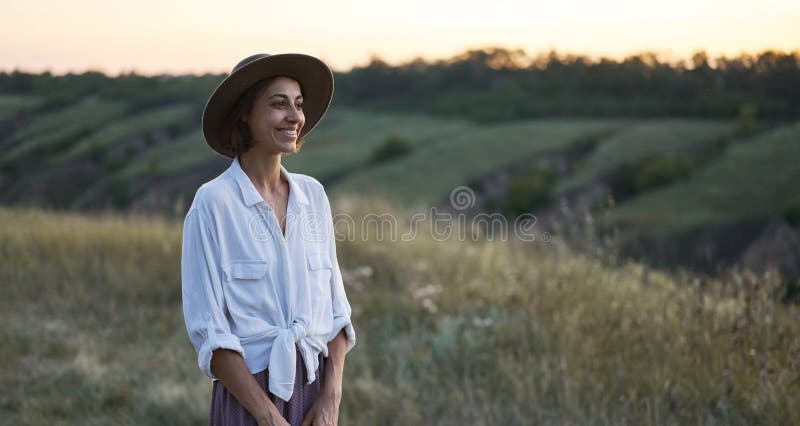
{"type": "Point", "coordinates": [670, 176]}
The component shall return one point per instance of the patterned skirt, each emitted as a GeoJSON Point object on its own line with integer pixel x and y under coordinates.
{"type": "Point", "coordinates": [226, 410]}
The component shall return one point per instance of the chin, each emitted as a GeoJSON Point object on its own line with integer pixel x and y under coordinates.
{"type": "Point", "coordinates": [289, 148]}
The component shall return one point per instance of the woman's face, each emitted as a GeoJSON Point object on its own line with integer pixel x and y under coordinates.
{"type": "Point", "coordinates": [276, 116]}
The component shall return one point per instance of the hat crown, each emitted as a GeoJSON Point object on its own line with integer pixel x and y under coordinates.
{"type": "Point", "coordinates": [248, 60]}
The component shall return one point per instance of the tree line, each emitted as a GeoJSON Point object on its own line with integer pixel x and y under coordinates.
{"type": "Point", "coordinates": [500, 84]}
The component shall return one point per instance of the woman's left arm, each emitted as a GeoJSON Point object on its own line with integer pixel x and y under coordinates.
{"type": "Point", "coordinates": [325, 410]}
{"type": "Point", "coordinates": [334, 365]}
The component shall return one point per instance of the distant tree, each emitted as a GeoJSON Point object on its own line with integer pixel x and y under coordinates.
{"type": "Point", "coordinates": [495, 84]}
{"type": "Point", "coordinates": [530, 191]}
{"type": "Point", "coordinates": [746, 119]}
{"type": "Point", "coordinates": [392, 147]}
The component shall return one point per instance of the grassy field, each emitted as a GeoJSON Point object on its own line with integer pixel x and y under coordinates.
{"type": "Point", "coordinates": [450, 332]}
{"type": "Point", "coordinates": [58, 129]}
{"type": "Point", "coordinates": [668, 177]}
{"type": "Point", "coordinates": [11, 105]}
{"type": "Point", "coordinates": [96, 153]}
{"type": "Point", "coordinates": [184, 152]}
{"type": "Point", "coordinates": [433, 170]}
{"type": "Point", "coordinates": [134, 124]}
{"type": "Point", "coordinates": [751, 179]}
{"type": "Point", "coordinates": [644, 139]}
{"type": "Point", "coordinates": [345, 140]}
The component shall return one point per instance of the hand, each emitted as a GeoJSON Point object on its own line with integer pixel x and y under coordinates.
{"type": "Point", "coordinates": [324, 412]}
{"type": "Point", "coordinates": [280, 421]}
{"type": "Point", "coordinates": [275, 422]}
{"type": "Point", "coordinates": [273, 418]}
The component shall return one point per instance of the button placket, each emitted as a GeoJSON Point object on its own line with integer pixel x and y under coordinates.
{"type": "Point", "coordinates": [283, 261]}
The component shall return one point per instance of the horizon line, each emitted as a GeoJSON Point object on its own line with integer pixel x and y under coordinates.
{"type": "Point", "coordinates": [661, 56]}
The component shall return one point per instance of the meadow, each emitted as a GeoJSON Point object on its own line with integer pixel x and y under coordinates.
{"type": "Point", "coordinates": [430, 172]}
{"type": "Point", "coordinates": [647, 138]}
{"type": "Point", "coordinates": [449, 332]}
{"type": "Point", "coordinates": [475, 331]}
{"type": "Point", "coordinates": [57, 130]}
{"type": "Point", "coordinates": [752, 178]}
{"type": "Point", "coordinates": [122, 152]}
{"type": "Point", "coordinates": [96, 153]}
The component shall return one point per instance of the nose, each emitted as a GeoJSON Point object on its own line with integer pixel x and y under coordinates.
{"type": "Point", "coordinates": [295, 115]}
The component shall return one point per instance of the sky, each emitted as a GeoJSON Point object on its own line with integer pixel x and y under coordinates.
{"type": "Point", "coordinates": [180, 37]}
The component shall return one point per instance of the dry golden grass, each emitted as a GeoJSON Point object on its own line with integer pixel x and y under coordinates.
{"type": "Point", "coordinates": [449, 332]}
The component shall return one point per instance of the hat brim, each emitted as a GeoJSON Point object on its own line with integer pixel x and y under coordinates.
{"type": "Point", "coordinates": [316, 82]}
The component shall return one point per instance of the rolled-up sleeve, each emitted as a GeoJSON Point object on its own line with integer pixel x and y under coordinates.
{"type": "Point", "coordinates": [341, 306]}
{"type": "Point", "coordinates": [203, 300]}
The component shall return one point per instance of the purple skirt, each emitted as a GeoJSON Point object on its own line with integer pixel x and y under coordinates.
{"type": "Point", "coordinates": [226, 410]}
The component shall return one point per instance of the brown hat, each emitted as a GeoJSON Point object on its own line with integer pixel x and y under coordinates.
{"type": "Point", "coordinates": [315, 78]}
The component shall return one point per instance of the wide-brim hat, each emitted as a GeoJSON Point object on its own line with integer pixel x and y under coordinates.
{"type": "Point", "coordinates": [316, 83]}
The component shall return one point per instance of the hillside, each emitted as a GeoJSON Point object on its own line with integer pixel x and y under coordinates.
{"type": "Point", "coordinates": [754, 178]}
{"type": "Point", "coordinates": [674, 176]}
{"type": "Point", "coordinates": [651, 154]}
{"type": "Point", "coordinates": [449, 332]}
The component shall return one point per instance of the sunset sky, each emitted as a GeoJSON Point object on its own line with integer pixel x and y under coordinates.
{"type": "Point", "coordinates": [206, 36]}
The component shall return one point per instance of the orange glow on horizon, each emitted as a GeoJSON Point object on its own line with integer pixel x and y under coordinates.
{"type": "Point", "coordinates": [183, 37]}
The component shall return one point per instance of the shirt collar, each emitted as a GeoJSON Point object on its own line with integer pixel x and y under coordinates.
{"type": "Point", "coordinates": [251, 196]}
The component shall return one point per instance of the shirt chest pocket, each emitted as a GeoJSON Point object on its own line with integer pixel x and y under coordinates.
{"type": "Point", "coordinates": [249, 287]}
{"type": "Point", "coordinates": [320, 269]}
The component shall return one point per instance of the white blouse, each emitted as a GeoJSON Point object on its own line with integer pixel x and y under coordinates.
{"type": "Point", "coordinates": [248, 288]}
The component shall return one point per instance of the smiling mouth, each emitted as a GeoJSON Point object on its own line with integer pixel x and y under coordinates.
{"type": "Point", "coordinates": [288, 132]}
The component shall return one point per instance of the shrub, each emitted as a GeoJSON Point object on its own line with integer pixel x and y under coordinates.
{"type": "Point", "coordinates": [393, 147]}
{"type": "Point", "coordinates": [746, 118]}
{"type": "Point", "coordinates": [98, 152]}
{"type": "Point", "coordinates": [662, 170]}
{"type": "Point", "coordinates": [530, 191]}
{"type": "Point", "coordinates": [792, 213]}
{"type": "Point", "coordinates": [113, 164]}
{"type": "Point", "coordinates": [120, 194]}
{"type": "Point", "coordinates": [633, 179]}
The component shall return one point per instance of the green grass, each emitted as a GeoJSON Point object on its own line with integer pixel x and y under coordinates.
{"type": "Point", "coordinates": [132, 125]}
{"type": "Point", "coordinates": [753, 179]}
{"type": "Point", "coordinates": [155, 164]}
{"type": "Point", "coordinates": [450, 332]}
{"type": "Point", "coordinates": [11, 105]}
{"type": "Point", "coordinates": [86, 338]}
{"type": "Point", "coordinates": [342, 142]}
{"type": "Point", "coordinates": [645, 139]}
{"type": "Point", "coordinates": [51, 131]}
{"type": "Point", "coordinates": [433, 170]}
{"type": "Point", "coordinates": [345, 139]}
{"type": "Point", "coordinates": [184, 152]}
{"type": "Point", "coordinates": [445, 153]}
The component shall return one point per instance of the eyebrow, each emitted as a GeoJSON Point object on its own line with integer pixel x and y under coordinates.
{"type": "Point", "coordinates": [281, 95]}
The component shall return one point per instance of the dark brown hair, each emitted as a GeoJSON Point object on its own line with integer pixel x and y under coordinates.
{"type": "Point", "coordinates": [235, 131]}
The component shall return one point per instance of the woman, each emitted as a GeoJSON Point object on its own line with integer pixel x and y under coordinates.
{"type": "Point", "coordinates": [263, 298]}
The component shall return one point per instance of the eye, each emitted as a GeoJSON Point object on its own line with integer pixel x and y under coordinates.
{"type": "Point", "coordinates": [278, 104]}
{"type": "Point", "coordinates": [300, 105]}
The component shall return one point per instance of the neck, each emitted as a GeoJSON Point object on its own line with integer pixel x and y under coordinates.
{"type": "Point", "coordinates": [264, 170]}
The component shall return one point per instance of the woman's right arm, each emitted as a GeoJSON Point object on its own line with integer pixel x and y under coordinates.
{"type": "Point", "coordinates": [230, 369]}
{"type": "Point", "coordinates": [219, 352]}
